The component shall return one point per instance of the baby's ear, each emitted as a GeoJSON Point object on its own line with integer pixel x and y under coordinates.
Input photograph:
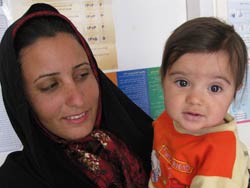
{"type": "Point", "coordinates": [237, 89]}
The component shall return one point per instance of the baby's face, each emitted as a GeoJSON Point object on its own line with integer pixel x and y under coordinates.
{"type": "Point", "coordinates": [198, 90]}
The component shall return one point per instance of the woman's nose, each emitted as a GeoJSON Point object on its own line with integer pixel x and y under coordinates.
{"type": "Point", "coordinates": [74, 95]}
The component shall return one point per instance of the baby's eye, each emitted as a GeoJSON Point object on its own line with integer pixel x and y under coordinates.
{"type": "Point", "coordinates": [215, 88]}
{"type": "Point", "coordinates": [182, 83]}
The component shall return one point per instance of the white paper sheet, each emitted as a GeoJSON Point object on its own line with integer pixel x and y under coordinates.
{"type": "Point", "coordinates": [8, 138]}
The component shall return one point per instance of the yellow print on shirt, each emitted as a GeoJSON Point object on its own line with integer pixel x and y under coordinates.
{"type": "Point", "coordinates": [178, 165]}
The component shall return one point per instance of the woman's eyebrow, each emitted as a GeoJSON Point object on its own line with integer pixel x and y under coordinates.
{"type": "Point", "coordinates": [45, 75]}
{"type": "Point", "coordinates": [81, 64]}
{"type": "Point", "coordinates": [57, 73]}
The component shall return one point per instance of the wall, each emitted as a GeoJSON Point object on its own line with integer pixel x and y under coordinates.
{"type": "Point", "coordinates": [142, 28]}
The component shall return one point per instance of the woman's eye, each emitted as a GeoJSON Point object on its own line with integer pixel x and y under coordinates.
{"type": "Point", "coordinates": [49, 87]}
{"type": "Point", "coordinates": [182, 83]}
{"type": "Point", "coordinates": [215, 88]}
{"type": "Point", "coordinates": [81, 75]}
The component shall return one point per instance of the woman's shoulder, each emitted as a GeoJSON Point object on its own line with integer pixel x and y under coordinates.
{"type": "Point", "coordinates": [14, 173]}
{"type": "Point", "coordinates": [11, 164]}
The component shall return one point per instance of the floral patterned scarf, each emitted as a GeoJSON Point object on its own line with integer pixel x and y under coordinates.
{"type": "Point", "coordinates": [107, 161]}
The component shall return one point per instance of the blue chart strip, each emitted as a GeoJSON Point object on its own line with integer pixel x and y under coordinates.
{"type": "Point", "coordinates": [134, 84]}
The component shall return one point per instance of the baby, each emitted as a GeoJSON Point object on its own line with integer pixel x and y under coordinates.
{"type": "Point", "coordinates": [195, 140]}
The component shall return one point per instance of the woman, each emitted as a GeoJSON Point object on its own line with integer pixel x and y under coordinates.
{"type": "Point", "coordinates": [77, 128]}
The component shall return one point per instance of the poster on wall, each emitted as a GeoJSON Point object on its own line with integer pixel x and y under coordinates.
{"type": "Point", "coordinates": [239, 17]}
{"type": "Point", "coordinates": [93, 18]}
{"type": "Point", "coordinates": [240, 108]}
{"type": "Point", "coordinates": [8, 138]}
{"type": "Point", "coordinates": [143, 87]}
{"type": "Point", "coordinates": [3, 22]}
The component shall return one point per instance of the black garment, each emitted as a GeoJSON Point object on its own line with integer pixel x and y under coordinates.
{"type": "Point", "coordinates": [42, 162]}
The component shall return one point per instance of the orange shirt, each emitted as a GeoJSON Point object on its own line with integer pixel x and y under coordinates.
{"type": "Point", "coordinates": [178, 157]}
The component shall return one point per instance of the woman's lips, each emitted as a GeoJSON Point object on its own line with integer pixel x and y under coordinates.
{"type": "Point", "coordinates": [76, 119]}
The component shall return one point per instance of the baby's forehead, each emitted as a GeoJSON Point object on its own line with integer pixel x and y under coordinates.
{"type": "Point", "coordinates": [202, 64]}
{"type": "Point", "coordinates": [201, 58]}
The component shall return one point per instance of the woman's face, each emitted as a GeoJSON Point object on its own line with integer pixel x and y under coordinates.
{"type": "Point", "coordinates": [61, 85]}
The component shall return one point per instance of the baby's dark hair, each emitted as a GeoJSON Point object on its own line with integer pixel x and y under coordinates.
{"type": "Point", "coordinates": [207, 35]}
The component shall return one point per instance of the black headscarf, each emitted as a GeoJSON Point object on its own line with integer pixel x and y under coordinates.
{"type": "Point", "coordinates": [43, 162]}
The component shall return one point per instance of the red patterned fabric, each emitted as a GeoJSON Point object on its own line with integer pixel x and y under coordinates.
{"type": "Point", "coordinates": [107, 161]}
